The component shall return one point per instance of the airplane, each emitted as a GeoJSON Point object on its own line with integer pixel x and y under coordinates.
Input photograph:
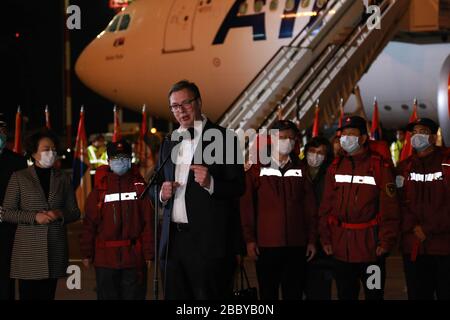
{"type": "Point", "coordinates": [222, 45]}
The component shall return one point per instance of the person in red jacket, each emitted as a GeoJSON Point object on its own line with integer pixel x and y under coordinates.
{"type": "Point", "coordinates": [359, 214]}
{"type": "Point", "coordinates": [423, 181]}
{"type": "Point", "coordinates": [279, 218]}
{"type": "Point", "coordinates": [117, 235]}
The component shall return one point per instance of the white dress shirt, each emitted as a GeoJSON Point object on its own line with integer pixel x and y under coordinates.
{"type": "Point", "coordinates": [182, 168]}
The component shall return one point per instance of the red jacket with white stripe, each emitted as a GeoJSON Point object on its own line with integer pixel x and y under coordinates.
{"type": "Point", "coordinates": [278, 208]}
{"type": "Point", "coordinates": [359, 190]}
{"type": "Point", "coordinates": [424, 188]}
{"type": "Point", "coordinates": [114, 215]}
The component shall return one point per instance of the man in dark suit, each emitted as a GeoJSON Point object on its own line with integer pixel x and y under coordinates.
{"type": "Point", "coordinates": [201, 183]}
{"type": "Point", "coordinates": [9, 162]}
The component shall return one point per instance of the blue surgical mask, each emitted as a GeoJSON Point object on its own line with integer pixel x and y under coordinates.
{"type": "Point", "coordinates": [2, 142]}
{"type": "Point", "coordinates": [120, 166]}
{"type": "Point", "coordinates": [350, 143]}
{"type": "Point", "coordinates": [420, 141]}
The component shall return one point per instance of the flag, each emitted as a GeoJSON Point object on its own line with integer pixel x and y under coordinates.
{"type": "Point", "coordinates": [18, 134]}
{"type": "Point", "coordinates": [81, 168]}
{"type": "Point", "coordinates": [47, 118]}
{"type": "Point", "coordinates": [407, 147]}
{"type": "Point", "coordinates": [341, 117]}
{"type": "Point", "coordinates": [375, 131]}
{"type": "Point", "coordinates": [315, 130]}
{"type": "Point", "coordinates": [117, 134]}
{"type": "Point", "coordinates": [142, 148]}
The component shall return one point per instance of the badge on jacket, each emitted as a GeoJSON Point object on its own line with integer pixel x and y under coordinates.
{"type": "Point", "coordinates": [391, 189]}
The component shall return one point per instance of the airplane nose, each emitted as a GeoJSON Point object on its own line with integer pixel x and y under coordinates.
{"type": "Point", "coordinates": [84, 65]}
{"type": "Point", "coordinates": [95, 71]}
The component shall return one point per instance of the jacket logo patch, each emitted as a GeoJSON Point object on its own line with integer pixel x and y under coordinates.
{"type": "Point", "coordinates": [113, 197]}
{"type": "Point", "coordinates": [391, 189]}
{"type": "Point", "coordinates": [344, 178]}
{"type": "Point", "coordinates": [437, 176]}
{"type": "Point", "coordinates": [277, 173]}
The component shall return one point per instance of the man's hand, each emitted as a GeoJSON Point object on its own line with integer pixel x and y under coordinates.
{"type": "Point", "coordinates": [87, 263]}
{"type": "Point", "coordinates": [168, 190]}
{"type": "Point", "coordinates": [43, 218]}
{"type": "Point", "coordinates": [201, 175]}
{"type": "Point", "coordinates": [252, 250]}
{"type": "Point", "coordinates": [328, 249]}
{"type": "Point", "coordinates": [418, 231]}
{"type": "Point", "coordinates": [54, 214]}
{"type": "Point", "coordinates": [310, 251]}
{"type": "Point", "coordinates": [381, 251]}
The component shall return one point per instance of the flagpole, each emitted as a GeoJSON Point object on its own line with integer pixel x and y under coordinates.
{"type": "Point", "coordinates": [315, 131]}
{"type": "Point", "coordinates": [47, 118]}
{"type": "Point", "coordinates": [341, 116]}
{"type": "Point", "coordinates": [18, 132]}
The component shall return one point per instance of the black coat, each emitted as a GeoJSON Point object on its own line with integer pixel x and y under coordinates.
{"type": "Point", "coordinates": [214, 219]}
{"type": "Point", "coordinates": [9, 163]}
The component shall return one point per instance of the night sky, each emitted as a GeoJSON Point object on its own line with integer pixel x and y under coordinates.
{"type": "Point", "coordinates": [31, 58]}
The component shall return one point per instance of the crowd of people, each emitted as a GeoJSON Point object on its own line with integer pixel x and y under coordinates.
{"type": "Point", "coordinates": [335, 215]}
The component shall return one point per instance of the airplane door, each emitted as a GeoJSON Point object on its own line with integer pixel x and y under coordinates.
{"type": "Point", "coordinates": [179, 26]}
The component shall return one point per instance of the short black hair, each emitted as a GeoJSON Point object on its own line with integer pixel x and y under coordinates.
{"type": "Point", "coordinates": [321, 141]}
{"type": "Point", "coordinates": [32, 141]}
{"type": "Point", "coordinates": [285, 125]}
{"type": "Point", "coordinates": [185, 84]}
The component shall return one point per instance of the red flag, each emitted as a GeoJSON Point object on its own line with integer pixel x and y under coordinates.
{"type": "Point", "coordinates": [315, 130]}
{"type": "Point", "coordinates": [407, 147]}
{"type": "Point", "coordinates": [117, 134]}
{"type": "Point", "coordinates": [81, 167]}
{"type": "Point", "coordinates": [341, 116]}
{"type": "Point", "coordinates": [375, 132]}
{"type": "Point", "coordinates": [18, 134]}
{"type": "Point", "coordinates": [142, 149]}
{"type": "Point", "coordinates": [47, 118]}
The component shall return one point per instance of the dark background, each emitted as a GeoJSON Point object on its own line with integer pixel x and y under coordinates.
{"type": "Point", "coordinates": [31, 64]}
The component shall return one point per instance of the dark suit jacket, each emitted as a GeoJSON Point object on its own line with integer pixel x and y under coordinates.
{"type": "Point", "coordinates": [212, 218]}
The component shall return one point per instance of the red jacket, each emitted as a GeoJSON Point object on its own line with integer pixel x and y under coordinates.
{"type": "Point", "coordinates": [114, 216]}
{"type": "Point", "coordinates": [360, 191]}
{"type": "Point", "coordinates": [278, 208]}
{"type": "Point", "coordinates": [424, 187]}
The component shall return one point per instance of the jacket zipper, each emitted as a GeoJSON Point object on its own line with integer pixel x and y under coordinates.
{"type": "Point", "coordinates": [348, 200]}
{"type": "Point", "coordinates": [114, 214]}
{"type": "Point", "coordinates": [121, 223]}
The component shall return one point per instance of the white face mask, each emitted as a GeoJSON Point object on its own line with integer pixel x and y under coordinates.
{"type": "Point", "coordinates": [420, 141]}
{"type": "Point", "coordinates": [48, 159]}
{"type": "Point", "coordinates": [350, 143]}
{"type": "Point", "coordinates": [315, 160]}
{"type": "Point", "coordinates": [284, 146]}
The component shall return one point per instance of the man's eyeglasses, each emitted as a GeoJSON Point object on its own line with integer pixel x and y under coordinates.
{"type": "Point", "coordinates": [185, 105]}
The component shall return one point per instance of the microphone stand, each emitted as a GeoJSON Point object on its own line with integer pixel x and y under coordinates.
{"type": "Point", "coordinates": [154, 181]}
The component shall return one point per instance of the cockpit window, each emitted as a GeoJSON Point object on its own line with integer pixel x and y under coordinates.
{"type": "Point", "coordinates": [273, 5]}
{"type": "Point", "coordinates": [124, 22]}
{"type": "Point", "coordinates": [113, 24]}
{"type": "Point", "coordinates": [243, 8]}
{"type": "Point", "coordinates": [258, 6]}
